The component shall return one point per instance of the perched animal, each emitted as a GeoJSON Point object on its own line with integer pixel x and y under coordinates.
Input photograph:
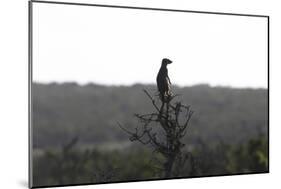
{"type": "Point", "coordinates": [163, 80]}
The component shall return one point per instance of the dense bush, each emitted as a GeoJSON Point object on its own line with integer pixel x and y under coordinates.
{"type": "Point", "coordinates": [70, 165]}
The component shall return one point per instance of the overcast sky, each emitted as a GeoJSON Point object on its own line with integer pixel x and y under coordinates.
{"type": "Point", "coordinates": [125, 46]}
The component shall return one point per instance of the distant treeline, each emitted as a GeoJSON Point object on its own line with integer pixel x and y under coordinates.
{"type": "Point", "coordinates": [91, 112]}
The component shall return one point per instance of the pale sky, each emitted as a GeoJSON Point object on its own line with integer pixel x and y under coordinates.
{"type": "Point", "coordinates": [125, 46]}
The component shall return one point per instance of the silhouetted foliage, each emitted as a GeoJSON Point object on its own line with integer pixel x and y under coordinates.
{"type": "Point", "coordinates": [172, 120]}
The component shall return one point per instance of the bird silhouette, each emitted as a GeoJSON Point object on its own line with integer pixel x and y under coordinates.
{"type": "Point", "coordinates": [163, 80]}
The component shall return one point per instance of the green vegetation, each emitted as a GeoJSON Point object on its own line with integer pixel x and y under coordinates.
{"type": "Point", "coordinates": [227, 133]}
{"type": "Point", "coordinates": [249, 157]}
{"type": "Point", "coordinates": [75, 166]}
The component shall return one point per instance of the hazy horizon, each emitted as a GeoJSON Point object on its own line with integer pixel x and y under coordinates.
{"type": "Point", "coordinates": [148, 84]}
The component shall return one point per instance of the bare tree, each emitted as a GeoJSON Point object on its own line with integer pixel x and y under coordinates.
{"type": "Point", "coordinates": [163, 130]}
